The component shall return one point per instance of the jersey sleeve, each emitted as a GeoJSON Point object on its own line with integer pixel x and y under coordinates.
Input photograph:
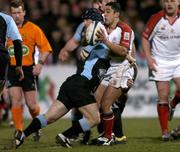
{"type": "Point", "coordinates": [12, 30]}
{"type": "Point", "coordinates": [41, 40]}
{"type": "Point", "coordinates": [78, 33]}
{"type": "Point", "coordinates": [126, 36]}
{"type": "Point", "coordinates": [151, 25]}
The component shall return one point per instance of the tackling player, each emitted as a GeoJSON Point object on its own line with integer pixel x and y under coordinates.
{"type": "Point", "coordinates": [74, 92]}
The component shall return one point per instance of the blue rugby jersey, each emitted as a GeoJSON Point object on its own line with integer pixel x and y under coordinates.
{"type": "Point", "coordinates": [8, 29]}
{"type": "Point", "coordinates": [96, 53]}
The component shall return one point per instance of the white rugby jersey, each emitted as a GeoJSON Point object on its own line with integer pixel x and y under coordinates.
{"type": "Point", "coordinates": [164, 37]}
{"type": "Point", "coordinates": [122, 35]}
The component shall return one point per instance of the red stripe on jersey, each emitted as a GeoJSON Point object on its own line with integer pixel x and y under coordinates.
{"type": "Point", "coordinates": [152, 23]}
{"type": "Point", "coordinates": [126, 33]}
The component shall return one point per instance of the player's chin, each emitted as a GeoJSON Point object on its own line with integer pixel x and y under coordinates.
{"type": "Point", "coordinates": [170, 11]}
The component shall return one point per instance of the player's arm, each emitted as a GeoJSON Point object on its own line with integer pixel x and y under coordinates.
{"type": "Point", "coordinates": [18, 56]}
{"type": "Point", "coordinates": [146, 47]}
{"type": "Point", "coordinates": [147, 50]}
{"type": "Point", "coordinates": [147, 36]}
{"type": "Point", "coordinates": [43, 57]}
{"type": "Point", "coordinates": [115, 48]}
{"type": "Point", "coordinates": [13, 33]}
{"type": "Point", "coordinates": [44, 48]}
{"type": "Point", "coordinates": [18, 52]}
{"type": "Point", "coordinates": [38, 67]}
{"type": "Point", "coordinates": [120, 51]}
{"type": "Point", "coordinates": [131, 56]}
{"type": "Point", "coordinates": [133, 52]}
{"type": "Point", "coordinates": [70, 46]}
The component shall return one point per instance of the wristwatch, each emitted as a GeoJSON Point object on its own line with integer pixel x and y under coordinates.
{"type": "Point", "coordinates": [41, 62]}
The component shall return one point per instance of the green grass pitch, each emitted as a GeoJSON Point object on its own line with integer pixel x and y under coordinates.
{"type": "Point", "coordinates": [143, 136]}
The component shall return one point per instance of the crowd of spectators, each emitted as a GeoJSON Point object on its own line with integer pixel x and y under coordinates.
{"type": "Point", "coordinates": [59, 18]}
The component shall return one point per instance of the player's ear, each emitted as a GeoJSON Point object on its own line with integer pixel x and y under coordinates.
{"type": "Point", "coordinates": [24, 12]}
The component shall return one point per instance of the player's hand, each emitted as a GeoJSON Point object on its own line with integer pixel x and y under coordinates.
{"type": "Point", "coordinates": [37, 69]}
{"type": "Point", "coordinates": [63, 55]}
{"type": "Point", "coordinates": [101, 36]}
{"type": "Point", "coordinates": [152, 64]}
{"type": "Point", "coordinates": [130, 83]}
{"type": "Point", "coordinates": [19, 72]}
{"type": "Point", "coordinates": [131, 60]}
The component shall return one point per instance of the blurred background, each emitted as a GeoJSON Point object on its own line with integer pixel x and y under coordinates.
{"type": "Point", "coordinates": [59, 19]}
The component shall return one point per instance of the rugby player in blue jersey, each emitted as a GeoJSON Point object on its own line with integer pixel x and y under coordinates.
{"type": "Point", "coordinates": [9, 30]}
{"type": "Point", "coordinates": [75, 92]}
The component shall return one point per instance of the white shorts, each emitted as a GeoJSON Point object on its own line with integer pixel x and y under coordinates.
{"type": "Point", "coordinates": [166, 70]}
{"type": "Point", "coordinates": [118, 75]}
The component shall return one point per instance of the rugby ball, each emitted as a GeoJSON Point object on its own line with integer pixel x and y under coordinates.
{"type": "Point", "coordinates": [90, 33]}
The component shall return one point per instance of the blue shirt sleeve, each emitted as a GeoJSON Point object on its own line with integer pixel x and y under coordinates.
{"type": "Point", "coordinates": [12, 30]}
{"type": "Point", "coordinates": [78, 33]}
{"type": "Point", "coordinates": [100, 50]}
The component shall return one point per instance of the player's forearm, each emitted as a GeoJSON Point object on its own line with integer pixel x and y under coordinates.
{"type": "Point", "coordinates": [43, 57]}
{"type": "Point", "coordinates": [18, 52]}
{"type": "Point", "coordinates": [131, 59]}
{"type": "Point", "coordinates": [133, 52]}
{"type": "Point", "coordinates": [117, 49]}
{"type": "Point", "coordinates": [71, 45]}
{"type": "Point", "coordinates": [146, 48]}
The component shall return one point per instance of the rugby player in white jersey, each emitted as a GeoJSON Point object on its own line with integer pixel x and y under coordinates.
{"type": "Point", "coordinates": [115, 83]}
{"type": "Point", "coordinates": [117, 109]}
{"type": "Point", "coordinates": [161, 44]}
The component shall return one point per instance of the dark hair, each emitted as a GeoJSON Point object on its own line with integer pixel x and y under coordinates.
{"type": "Point", "coordinates": [115, 6]}
{"type": "Point", "coordinates": [95, 1]}
{"type": "Point", "coordinates": [93, 14]}
{"type": "Point", "coordinates": [17, 3]}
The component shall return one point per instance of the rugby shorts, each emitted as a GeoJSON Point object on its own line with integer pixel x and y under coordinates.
{"type": "Point", "coordinates": [4, 60]}
{"type": "Point", "coordinates": [166, 70]}
{"type": "Point", "coordinates": [27, 84]}
{"type": "Point", "coordinates": [118, 75]}
{"type": "Point", "coordinates": [75, 92]}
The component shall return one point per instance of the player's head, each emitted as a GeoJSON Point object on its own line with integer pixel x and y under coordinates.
{"type": "Point", "coordinates": [104, 2]}
{"type": "Point", "coordinates": [171, 6]}
{"type": "Point", "coordinates": [97, 4]}
{"type": "Point", "coordinates": [91, 14]}
{"type": "Point", "coordinates": [17, 11]}
{"type": "Point", "coordinates": [100, 4]}
{"type": "Point", "coordinates": [112, 13]}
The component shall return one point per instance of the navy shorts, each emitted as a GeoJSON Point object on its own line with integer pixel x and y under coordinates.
{"type": "Point", "coordinates": [27, 84]}
{"type": "Point", "coordinates": [4, 61]}
{"type": "Point", "coordinates": [76, 92]}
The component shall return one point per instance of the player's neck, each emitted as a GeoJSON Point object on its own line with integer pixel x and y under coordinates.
{"type": "Point", "coordinates": [171, 17]}
{"type": "Point", "coordinates": [20, 24]}
{"type": "Point", "coordinates": [112, 26]}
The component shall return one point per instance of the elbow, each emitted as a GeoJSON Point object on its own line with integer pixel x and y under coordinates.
{"type": "Point", "coordinates": [124, 51]}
